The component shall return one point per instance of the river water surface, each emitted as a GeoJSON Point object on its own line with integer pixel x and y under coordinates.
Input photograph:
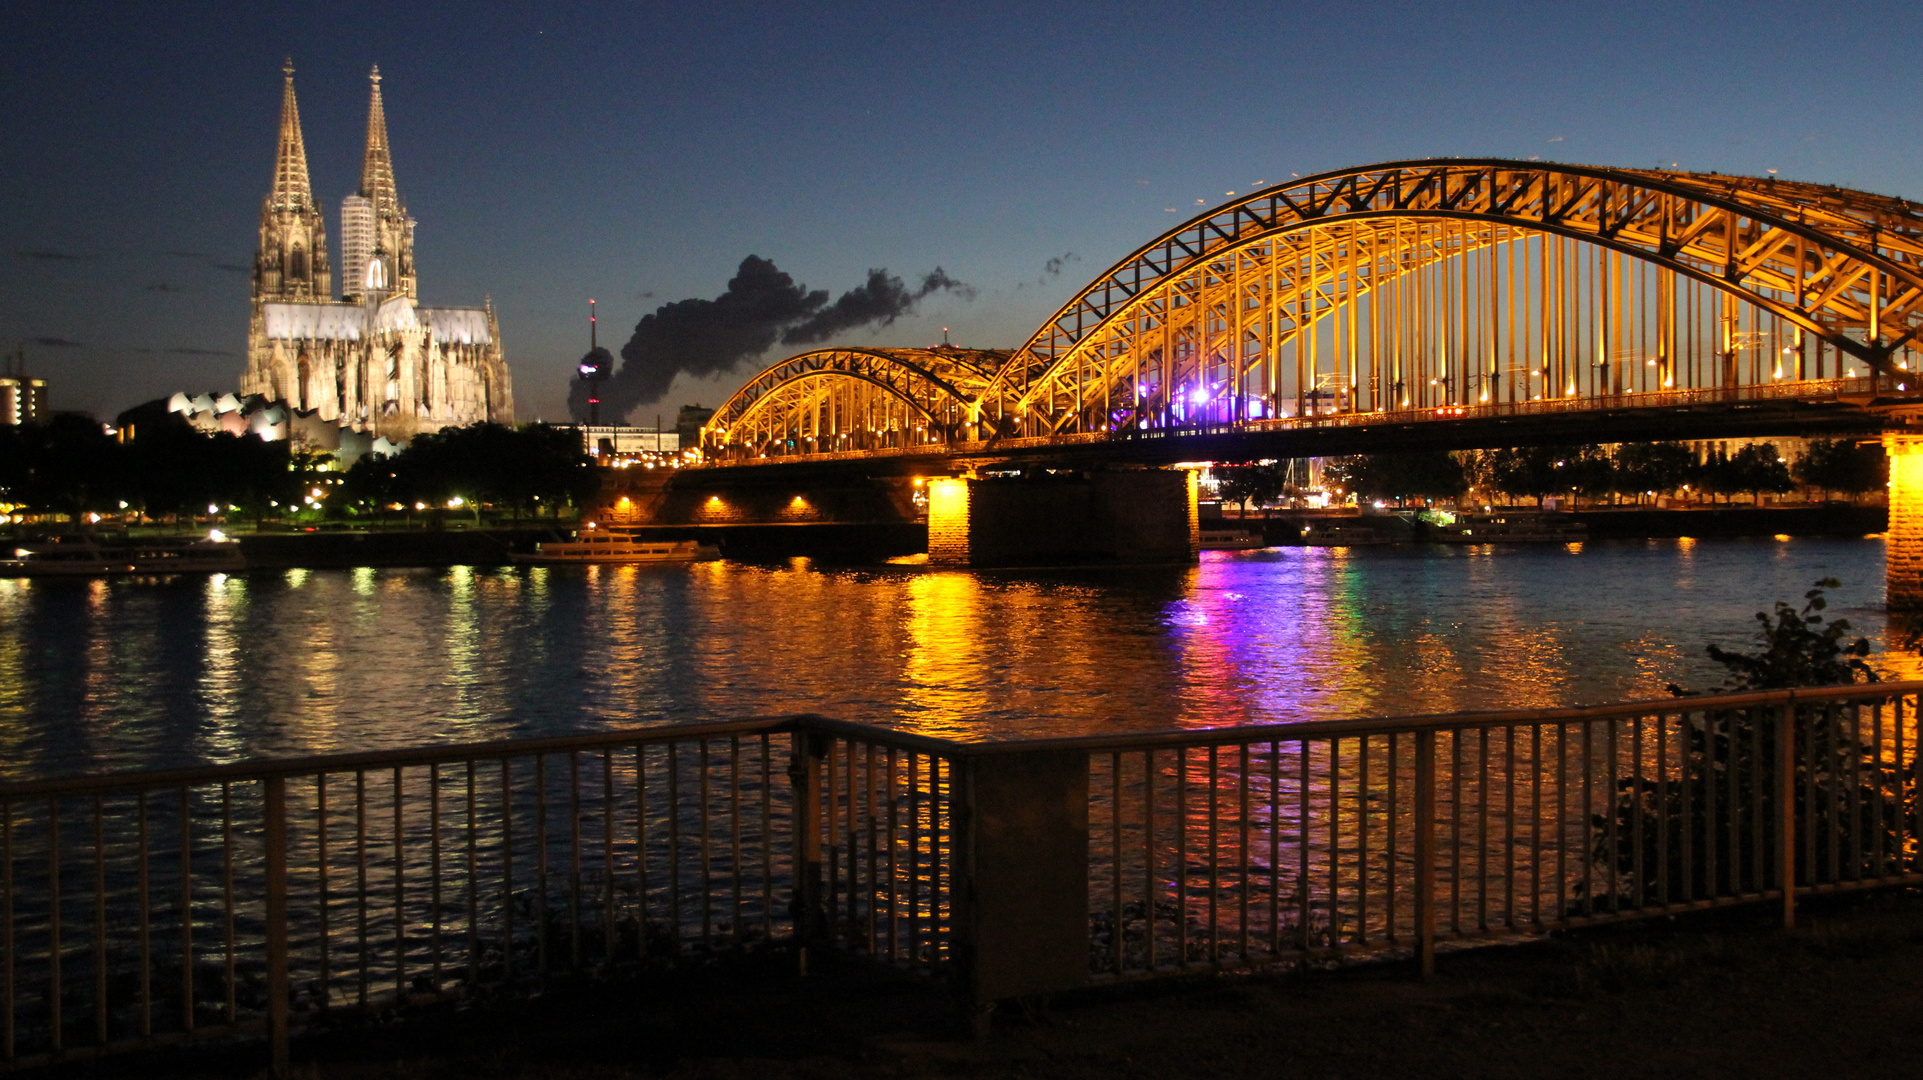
{"type": "Point", "coordinates": [162, 672]}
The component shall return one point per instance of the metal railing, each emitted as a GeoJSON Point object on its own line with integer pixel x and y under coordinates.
{"type": "Point", "coordinates": [143, 909]}
{"type": "Point", "coordinates": [147, 909]}
{"type": "Point", "coordinates": [1310, 840]}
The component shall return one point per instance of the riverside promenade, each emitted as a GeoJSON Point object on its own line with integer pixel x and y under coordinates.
{"type": "Point", "coordinates": [1722, 994]}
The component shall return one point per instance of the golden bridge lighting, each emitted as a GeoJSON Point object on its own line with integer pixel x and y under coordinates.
{"type": "Point", "coordinates": [1414, 285]}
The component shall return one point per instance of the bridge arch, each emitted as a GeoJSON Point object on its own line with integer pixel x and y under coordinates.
{"type": "Point", "coordinates": [1422, 288]}
{"type": "Point", "coordinates": [852, 399]}
{"type": "Point", "coordinates": [1837, 270]}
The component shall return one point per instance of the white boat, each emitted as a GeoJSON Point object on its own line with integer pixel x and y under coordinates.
{"type": "Point", "coordinates": [1221, 539]}
{"type": "Point", "coordinates": [88, 557]}
{"type": "Point", "coordinates": [617, 548]}
{"type": "Point", "coordinates": [1511, 527]}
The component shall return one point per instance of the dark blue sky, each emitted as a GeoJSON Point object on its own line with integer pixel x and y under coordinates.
{"type": "Point", "coordinates": [560, 151]}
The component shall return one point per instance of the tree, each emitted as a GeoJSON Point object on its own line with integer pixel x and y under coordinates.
{"type": "Point", "coordinates": [1587, 470]}
{"type": "Point", "coordinates": [1528, 471]}
{"type": "Point", "coordinates": [370, 483]}
{"type": "Point", "coordinates": [1718, 475]}
{"type": "Point", "coordinates": [1417, 474]}
{"type": "Point", "coordinates": [483, 464]}
{"type": "Point", "coordinates": [65, 466]}
{"type": "Point", "coordinates": [1845, 466]}
{"type": "Point", "coordinates": [1657, 468]}
{"type": "Point", "coordinates": [1258, 483]}
{"type": "Point", "coordinates": [1799, 648]}
{"type": "Point", "coordinates": [1847, 798]}
{"type": "Point", "coordinates": [1757, 468]}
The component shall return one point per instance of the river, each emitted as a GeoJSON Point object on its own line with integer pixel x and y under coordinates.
{"type": "Point", "coordinates": [137, 673]}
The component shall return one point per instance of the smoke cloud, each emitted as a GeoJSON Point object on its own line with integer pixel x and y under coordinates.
{"type": "Point", "coordinates": [763, 306]}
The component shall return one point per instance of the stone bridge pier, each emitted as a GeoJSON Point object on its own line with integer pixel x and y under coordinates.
{"type": "Point", "coordinates": [1101, 516]}
{"type": "Point", "coordinates": [1904, 539]}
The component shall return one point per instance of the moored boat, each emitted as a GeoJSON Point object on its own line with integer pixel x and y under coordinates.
{"type": "Point", "coordinates": [607, 547]}
{"type": "Point", "coordinates": [1511, 527]}
{"type": "Point", "coordinates": [90, 557]}
{"type": "Point", "coordinates": [1223, 539]}
{"type": "Point", "coordinates": [1347, 532]}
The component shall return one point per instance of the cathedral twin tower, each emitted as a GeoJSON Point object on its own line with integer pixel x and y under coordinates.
{"type": "Point", "coordinates": [374, 361]}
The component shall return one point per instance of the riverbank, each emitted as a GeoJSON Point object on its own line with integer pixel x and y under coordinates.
{"type": "Point", "coordinates": [1709, 995]}
{"type": "Point", "coordinates": [877, 542]}
{"type": "Point", "coordinates": [390, 548]}
{"type": "Point", "coordinates": [1625, 523]}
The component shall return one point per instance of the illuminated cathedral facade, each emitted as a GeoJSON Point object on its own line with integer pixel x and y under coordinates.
{"type": "Point", "coordinates": [374, 361]}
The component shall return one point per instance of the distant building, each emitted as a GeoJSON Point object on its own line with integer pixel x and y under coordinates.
{"type": "Point", "coordinates": [687, 423]}
{"type": "Point", "coordinates": [374, 362]}
{"type": "Point", "coordinates": [23, 400]}
{"type": "Point", "coordinates": [608, 441]}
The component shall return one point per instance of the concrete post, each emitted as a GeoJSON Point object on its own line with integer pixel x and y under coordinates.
{"type": "Point", "coordinates": [804, 773]}
{"type": "Point", "coordinates": [1425, 826]}
{"type": "Point", "coordinates": [1021, 887]}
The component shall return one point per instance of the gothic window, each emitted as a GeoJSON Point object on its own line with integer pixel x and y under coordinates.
{"type": "Point", "coordinates": [376, 274]}
{"type": "Point", "coordinates": [304, 389]}
{"type": "Point", "coordinates": [297, 265]}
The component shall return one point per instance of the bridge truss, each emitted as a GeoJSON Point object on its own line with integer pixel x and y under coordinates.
{"type": "Point", "coordinates": [1407, 291]}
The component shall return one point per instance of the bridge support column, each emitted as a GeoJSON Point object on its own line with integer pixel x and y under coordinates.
{"type": "Point", "coordinates": [1903, 546]}
{"type": "Point", "coordinates": [1136, 516]}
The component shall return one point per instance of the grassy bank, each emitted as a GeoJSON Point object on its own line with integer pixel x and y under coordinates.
{"type": "Point", "coordinates": [1711, 995]}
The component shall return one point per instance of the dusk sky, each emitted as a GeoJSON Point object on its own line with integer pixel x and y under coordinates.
{"type": "Point", "coordinates": [635, 153]}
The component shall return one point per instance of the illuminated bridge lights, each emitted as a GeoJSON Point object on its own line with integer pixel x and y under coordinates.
{"type": "Point", "coordinates": [1410, 290]}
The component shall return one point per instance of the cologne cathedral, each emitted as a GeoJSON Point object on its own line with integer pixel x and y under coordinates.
{"type": "Point", "coordinates": [375, 361]}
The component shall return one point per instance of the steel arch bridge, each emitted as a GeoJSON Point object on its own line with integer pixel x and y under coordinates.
{"type": "Point", "coordinates": [1400, 293]}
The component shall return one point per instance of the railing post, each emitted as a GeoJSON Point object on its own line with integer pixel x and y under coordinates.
{"type": "Point", "coordinates": [1425, 825]}
{"type": "Point", "coordinates": [275, 799]}
{"type": "Point", "coordinates": [804, 774]}
{"type": "Point", "coordinates": [1020, 891]}
{"type": "Point", "coordinates": [1786, 808]}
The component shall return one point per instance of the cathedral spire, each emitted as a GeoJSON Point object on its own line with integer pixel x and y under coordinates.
{"type": "Point", "coordinates": [292, 263]}
{"type": "Point", "coordinates": [291, 188]}
{"type": "Point", "coordinates": [377, 170]}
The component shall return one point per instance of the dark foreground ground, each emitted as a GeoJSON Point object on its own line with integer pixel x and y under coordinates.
{"type": "Point", "coordinates": [1718, 996]}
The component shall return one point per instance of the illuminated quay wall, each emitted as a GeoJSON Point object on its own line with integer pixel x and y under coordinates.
{"type": "Point", "coordinates": [774, 515]}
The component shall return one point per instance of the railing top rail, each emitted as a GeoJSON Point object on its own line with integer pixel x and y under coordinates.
{"type": "Point", "coordinates": [455, 753]}
{"type": "Point", "coordinates": [927, 744]}
{"type": "Point", "coordinates": [1332, 729]}
{"type": "Point", "coordinates": [247, 771]}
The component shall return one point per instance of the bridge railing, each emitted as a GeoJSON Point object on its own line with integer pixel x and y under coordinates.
{"type": "Point", "coordinates": [143, 909]}
{"type": "Point", "coordinates": [1786, 390]}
